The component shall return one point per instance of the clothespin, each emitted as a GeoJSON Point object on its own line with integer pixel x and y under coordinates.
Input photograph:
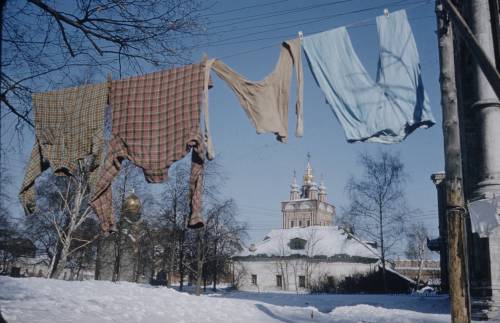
{"type": "Point", "coordinates": [386, 12]}
{"type": "Point", "coordinates": [301, 35]}
{"type": "Point", "coordinates": [110, 79]}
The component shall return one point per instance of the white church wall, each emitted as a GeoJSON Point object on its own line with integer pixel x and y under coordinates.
{"type": "Point", "coordinates": [290, 270]}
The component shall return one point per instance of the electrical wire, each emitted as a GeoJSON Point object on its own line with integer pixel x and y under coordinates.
{"type": "Point", "coordinates": [240, 20]}
{"type": "Point", "coordinates": [244, 8]}
{"type": "Point", "coordinates": [226, 42]}
{"type": "Point", "coordinates": [316, 20]}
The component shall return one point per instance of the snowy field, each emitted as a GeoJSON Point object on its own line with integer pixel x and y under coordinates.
{"type": "Point", "coordinates": [42, 300]}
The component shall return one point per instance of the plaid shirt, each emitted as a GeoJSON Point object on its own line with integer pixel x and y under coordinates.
{"type": "Point", "coordinates": [68, 127]}
{"type": "Point", "coordinates": [156, 120]}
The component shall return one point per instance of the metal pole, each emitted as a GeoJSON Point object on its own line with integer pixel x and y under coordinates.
{"type": "Point", "coordinates": [455, 212]}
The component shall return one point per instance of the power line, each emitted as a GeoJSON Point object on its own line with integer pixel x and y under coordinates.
{"type": "Point", "coordinates": [244, 8]}
{"type": "Point", "coordinates": [227, 42]}
{"type": "Point", "coordinates": [241, 20]}
{"type": "Point", "coordinates": [315, 20]}
{"type": "Point", "coordinates": [274, 44]}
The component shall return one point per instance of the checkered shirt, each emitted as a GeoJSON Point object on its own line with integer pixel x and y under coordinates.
{"type": "Point", "coordinates": [68, 127]}
{"type": "Point", "coordinates": [156, 120]}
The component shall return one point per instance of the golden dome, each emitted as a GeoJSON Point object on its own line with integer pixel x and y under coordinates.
{"type": "Point", "coordinates": [132, 207]}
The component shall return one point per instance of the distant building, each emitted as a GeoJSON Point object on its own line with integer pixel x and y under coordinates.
{"type": "Point", "coordinates": [307, 206]}
{"type": "Point", "coordinates": [307, 250]}
{"type": "Point", "coordinates": [294, 259]}
{"type": "Point", "coordinates": [430, 273]}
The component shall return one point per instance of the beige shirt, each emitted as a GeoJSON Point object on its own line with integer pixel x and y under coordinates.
{"type": "Point", "coordinates": [266, 102]}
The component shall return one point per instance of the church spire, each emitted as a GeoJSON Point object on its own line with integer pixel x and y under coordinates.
{"type": "Point", "coordinates": [294, 192]}
{"type": "Point", "coordinates": [322, 191]}
{"type": "Point", "coordinates": [308, 175]}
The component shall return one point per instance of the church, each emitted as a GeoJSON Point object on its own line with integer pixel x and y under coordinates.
{"type": "Point", "coordinates": [307, 249]}
{"type": "Point", "coordinates": [307, 206]}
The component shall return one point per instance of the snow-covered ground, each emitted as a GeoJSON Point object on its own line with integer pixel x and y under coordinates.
{"type": "Point", "coordinates": [43, 300]}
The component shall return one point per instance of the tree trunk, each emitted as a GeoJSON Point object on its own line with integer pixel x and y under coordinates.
{"type": "Point", "coordinates": [57, 256]}
{"type": "Point", "coordinates": [171, 264]}
{"type": "Point", "coordinates": [421, 262]}
{"type": "Point", "coordinates": [382, 249]}
{"type": "Point", "coordinates": [59, 269]}
{"type": "Point", "coordinates": [118, 253]}
{"type": "Point", "coordinates": [215, 269]}
{"type": "Point", "coordinates": [200, 261]}
{"type": "Point", "coordinates": [98, 264]}
{"type": "Point", "coordinates": [53, 262]}
{"type": "Point", "coordinates": [181, 264]}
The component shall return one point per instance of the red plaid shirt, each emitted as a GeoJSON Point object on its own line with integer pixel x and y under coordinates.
{"type": "Point", "coordinates": [156, 120]}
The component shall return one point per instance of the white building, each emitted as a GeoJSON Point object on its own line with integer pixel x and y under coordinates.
{"type": "Point", "coordinates": [293, 259]}
{"type": "Point", "coordinates": [306, 250]}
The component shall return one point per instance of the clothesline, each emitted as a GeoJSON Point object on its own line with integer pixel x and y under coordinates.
{"type": "Point", "coordinates": [290, 35]}
{"type": "Point", "coordinates": [157, 117]}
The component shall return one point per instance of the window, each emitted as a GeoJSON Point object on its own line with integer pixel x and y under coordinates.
{"type": "Point", "coordinates": [331, 281]}
{"type": "Point", "coordinates": [300, 223]}
{"type": "Point", "coordinates": [297, 243]}
{"type": "Point", "coordinates": [254, 279]}
{"type": "Point", "coordinates": [279, 281]}
{"type": "Point", "coordinates": [308, 222]}
{"type": "Point", "coordinates": [302, 281]}
{"type": "Point", "coordinates": [292, 224]}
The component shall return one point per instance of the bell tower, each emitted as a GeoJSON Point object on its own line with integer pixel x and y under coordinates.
{"type": "Point", "coordinates": [308, 205]}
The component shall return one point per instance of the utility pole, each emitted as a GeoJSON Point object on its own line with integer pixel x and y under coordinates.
{"type": "Point", "coordinates": [478, 79]}
{"type": "Point", "coordinates": [455, 211]}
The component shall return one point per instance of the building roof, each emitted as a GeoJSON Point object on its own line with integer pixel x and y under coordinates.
{"type": "Point", "coordinates": [322, 241]}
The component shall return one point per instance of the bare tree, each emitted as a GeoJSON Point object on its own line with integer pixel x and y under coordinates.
{"type": "Point", "coordinates": [63, 209]}
{"type": "Point", "coordinates": [306, 264]}
{"type": "Point", "coordinates": [310, 250]}
{"type": "Point", "coordinates": [75, 208]}
{"type": "Point", "coordinates": [197, 254]}
{"type": "Point", "coordinates": [226, 240]}
{"type": "Point", "coordinates": [118, 253]}
{"type": "Point", "coordinates": [378, 207]}
{"type": "Point", "coordinates": [417, 246]}
{"type": "Point", "coordinates": [281, 262]}
{"type": "Point", "coordinates": [172, 223]}
{"type": "Point", "coordinates": [216, 242]}
{"type": "Point", "coordinates": [45, 42]}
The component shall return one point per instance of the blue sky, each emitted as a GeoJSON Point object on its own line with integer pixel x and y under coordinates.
{"type": "Point", "coordinates": [259, 168]}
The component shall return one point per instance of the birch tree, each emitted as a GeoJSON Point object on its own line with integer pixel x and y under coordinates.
{"type": "Point", "coordinates": [416, 248]}
{"type": "Point", "coordinates": [63, 208]}
{"type": "Point", "coordinates": [377, 208]}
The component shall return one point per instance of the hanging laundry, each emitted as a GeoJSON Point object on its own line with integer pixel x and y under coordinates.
{"type": "Point", "coordinates": [156, 121]}
{"type": "Point", "coordinates": [68, 127]}
{"type": "Point", "coordinates": [484, 216]}
{"type": "Point", "coordinates": [387, 110]}
{"type": "Point", "coordinates": [266, 102]}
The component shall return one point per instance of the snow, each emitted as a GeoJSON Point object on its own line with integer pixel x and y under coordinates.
{"type": "Point", "coordinates": [328, 241]}
{"type": "Point", "coordinates": [45, 300]}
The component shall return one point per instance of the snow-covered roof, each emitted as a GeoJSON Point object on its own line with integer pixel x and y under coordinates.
{"type": "Point", "coordinates": [322, 241]}
{"type": "Point", "coordinates": [33, 260]}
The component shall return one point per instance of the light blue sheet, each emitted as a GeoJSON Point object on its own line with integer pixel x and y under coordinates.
{"type": "Point", "coordinates": [384, 111]}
